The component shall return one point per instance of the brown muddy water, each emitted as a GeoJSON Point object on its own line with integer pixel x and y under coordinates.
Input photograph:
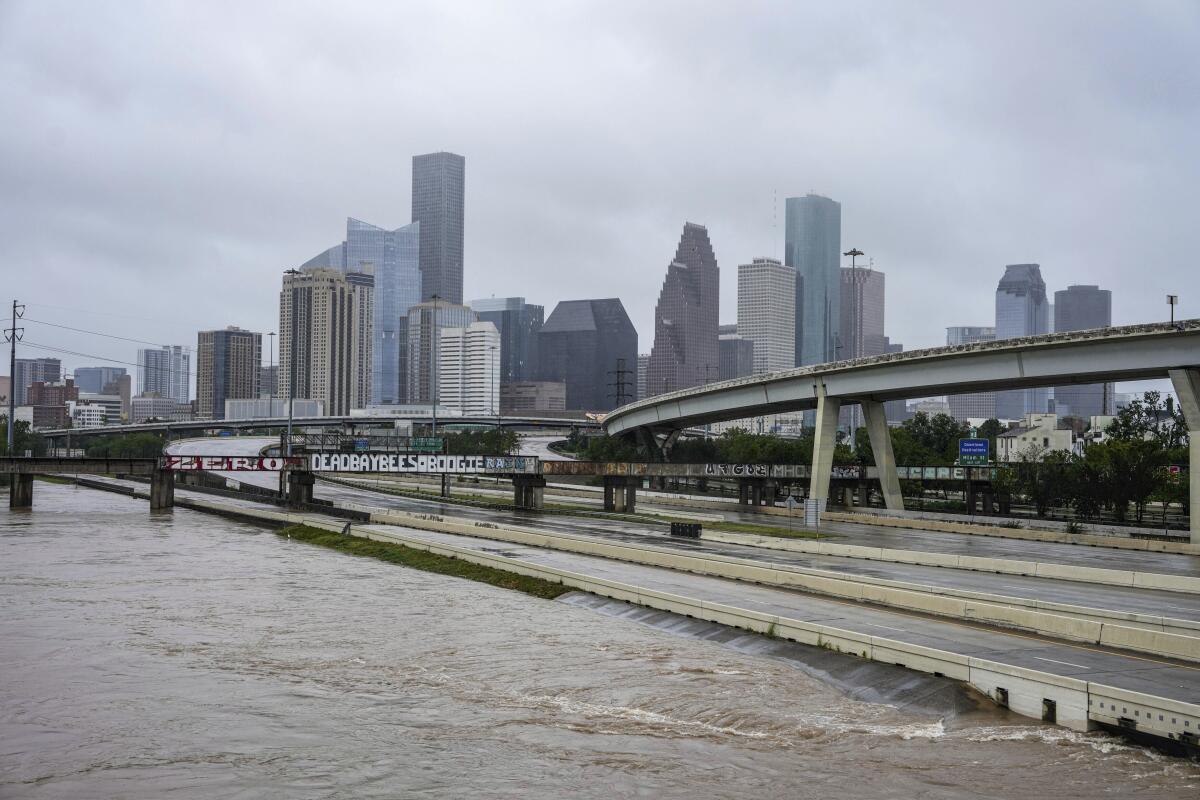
{"type": "Point", "coordinates": [188, 656]}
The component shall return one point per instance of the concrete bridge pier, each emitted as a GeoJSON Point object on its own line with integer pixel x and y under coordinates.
{"type": "Point", "coordinates": [20, 491]}
{"type": "Point", "coordinates": [299, 488]}
{"type": "Point", "coordinates": [824, 442]}
{"type": "Point", "coordinates": [1187, 388]}
{"type": "Point", "coordinates": [529, 491]}
{"type": "Point", "coordinates": [885, 459]}
{"type": "Point", "coordinates": [162, 490]}
{"type": "Point", "coordinates": [620, 494]}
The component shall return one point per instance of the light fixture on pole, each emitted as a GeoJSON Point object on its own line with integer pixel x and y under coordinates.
{"type": "Point", "coordinates": [1172, 301]}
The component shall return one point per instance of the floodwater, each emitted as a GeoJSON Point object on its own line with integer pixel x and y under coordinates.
{"type": "Point", "coordinates": [184, 655]}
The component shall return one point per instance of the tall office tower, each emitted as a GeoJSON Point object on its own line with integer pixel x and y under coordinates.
{"type": "Point", "coordinates": [392, 257]}
{"type": "Point", "coordinates": [1021, 310]}
{"type": "Point", "coordinates": [28, 370]}
{"type": "Point", "coordinates": [643, 364]}
{"type": "Point", "coordinates": [166, 371]}
{"type": "Point", "coordinates": [976, 405]}
{"type": "Point", "coordinates": [581, 345]}
{"type": "Point", "coordinates": [518, 323]}
{"type": "Point", "coordinates": [860, 334]}
{"type": "Point", "coordinates": [1081, 308]}
{"type": "Point", "coordinates": [438, 181]}
{"type": "Point", "coordinates": [737, 356]}
{"type": "Point", "coordinates": [812, 247]}
{"type": "Point", "coordinates": [423, 320]}
{"type": "Point", "coordinates": [685, 351]}
{"type": "Point", "coordinates": [228, 364]}
{"type": "Point", "coordinates": [93, 379]}
{"type": "Point", "coordinates": [326, 320]}
{"type": "Point", "coordinates": [469, 368]}
{"type": "Point", "coordinates": [766, 313]}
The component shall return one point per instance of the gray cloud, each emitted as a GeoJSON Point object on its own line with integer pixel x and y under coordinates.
{"type": "Point", "coordinates": [165, 161]}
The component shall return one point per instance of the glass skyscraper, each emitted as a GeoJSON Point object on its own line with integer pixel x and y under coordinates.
{"type": "Point", "coordinates": [1021, 310]}
{"type": "Point", "coordinates": [438, 184]}
{"type": "Point", "coordinates": [518, 323]}
{"type": "Point", "coordinates": [1081, 308]}
{"type": "Point", "coordinates": [812, 247]}
{"type": "Point", "coordinates": [583, 344]}
{"type": "Point", "coordinates": [393, 258]}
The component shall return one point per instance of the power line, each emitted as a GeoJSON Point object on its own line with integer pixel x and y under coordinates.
{"type": "Point", "coordinates": [98, 333]}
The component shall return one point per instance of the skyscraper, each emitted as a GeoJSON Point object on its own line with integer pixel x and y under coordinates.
{"type": "Point", "coordinates": [469, 368]}
{"type": "Point", "coordinates": [812, 247]}
{"type": "Point", "coordinates": [392, 258]}
{"type": "Point", "coordinates": [518, 323]}
{"type": "Point", "coordinates": [1021, 310]}
{"type": "Point", "coordinates": [736, 355]}
{"type": "Point", "coordinates": [643, 364]}
{"type": "Point", "coordinates": [685, 351]}
{"type": "Point", "coordinates": [861, 318]}
{"type": "Point", "coordinates": [93, 379]}
{"type": "Point", "coordinates": [1081, 308]}
{"type": "Point", "coordinates": [227, 368]}
{"type": "Point", "coordinates": [166, 371]}
{"type": "Point", "coordinates": [581, 345]}
{"type": "Point", "coordinates": [766, 313]}
{"type": "Point", "coordinates": [976, 405]}
{"type": "Point", "coordinates": [425, 321]}
{"type": "Point", "coordinates": [28, 370]}
{"type": "Point", "coordinates": [325, 334]}
{"type": "Point", "coordinates": [438, 183]}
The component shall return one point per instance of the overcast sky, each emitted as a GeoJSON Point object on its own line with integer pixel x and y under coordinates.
{"type": "Point", "coordinates": [162, 163]}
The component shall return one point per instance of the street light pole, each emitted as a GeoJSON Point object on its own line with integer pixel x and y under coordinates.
{"type": "Point", "coordinates": [1172, 301]}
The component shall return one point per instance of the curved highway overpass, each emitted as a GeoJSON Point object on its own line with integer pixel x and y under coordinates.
{"type": "Point", "coordinates": [1134, 352]}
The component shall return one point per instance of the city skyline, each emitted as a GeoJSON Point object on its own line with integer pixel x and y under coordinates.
{"type": "Point", "coordinates": [940, 210]}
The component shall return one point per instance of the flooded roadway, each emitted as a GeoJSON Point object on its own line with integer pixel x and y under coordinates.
{"type": "Point", "coordinates": [188, 655]}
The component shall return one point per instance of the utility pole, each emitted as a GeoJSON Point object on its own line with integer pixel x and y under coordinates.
{"type": "Point", "coordinates": [12, 336]}
{"type": "Point", "coordinates": [620, 383]}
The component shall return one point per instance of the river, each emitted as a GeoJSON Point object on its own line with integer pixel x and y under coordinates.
{"type": "Point", "coordinates": [190, 656]}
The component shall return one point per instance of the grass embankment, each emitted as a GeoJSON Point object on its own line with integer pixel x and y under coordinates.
{"type": "Point", "coordinates": [54, 479]}
{"type": "Point", "coordinates": [425, 561]}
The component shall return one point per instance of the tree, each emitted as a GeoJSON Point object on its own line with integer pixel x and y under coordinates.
{"type": "Point", "coordinates": [1129, 472]}
{"type": "Point", "coordinates": [24, 439]}
{"type": "Point", "coordinates": [1150, 418]}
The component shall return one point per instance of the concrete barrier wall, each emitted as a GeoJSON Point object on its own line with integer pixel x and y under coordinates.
{"type": "Point", "coordinates": [1110, 577]}
{"type": "Point", "coordinates": [1031, 534]}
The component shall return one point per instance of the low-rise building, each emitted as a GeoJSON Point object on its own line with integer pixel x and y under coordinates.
{"type": "Point", "coordinates": [268, 408]}
{"type": "Point", "coordinates": [1033, 438]}
{"type": "Point", "coordinates": [88, 415]}
{"type": "Point", "coordinates": [530, 397]}
{"type": "Point", "coordinates": [164, 409]}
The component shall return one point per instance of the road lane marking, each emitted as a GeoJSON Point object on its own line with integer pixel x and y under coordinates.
{"type": "Point", "coordinates": [886, 627]}
{"type": "Point", "coordinates": [1056, 661]}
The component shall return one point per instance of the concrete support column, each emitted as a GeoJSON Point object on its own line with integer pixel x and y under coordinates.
{"type": "Point", "coordinates": [608, 494]}
{"type": "Point", "coordinates": [885, 459]}
{"type": "Point", "coordinates": [744, 492]}
{"type": "Point", "coordinates": [864, 496]}
{"type": "Point", "coordinates": [823, 444]}
{"type": "Point", "coordinates": [299, 488]}
{"type": "Point", "coordinates": [631, 485]}
{"type": "Point", "coordinates": [162, 490]}
{"type": "Point", "coordinates": [529, 491]}
{"type": "Point", "coordinates": [1187, 389]}
{"type": "Point", "coordinates": [20, 491]}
